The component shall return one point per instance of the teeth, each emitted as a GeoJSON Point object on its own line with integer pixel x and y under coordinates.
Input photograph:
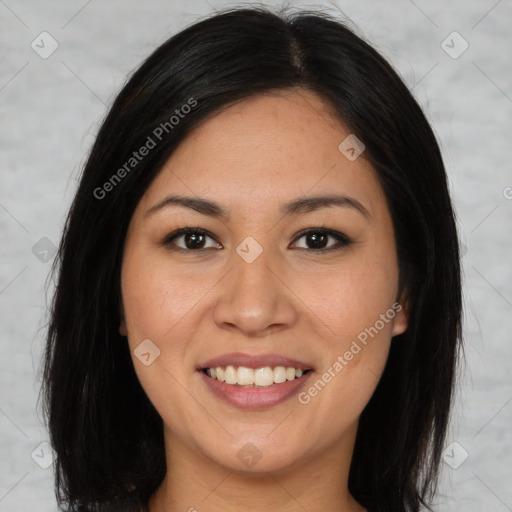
{"type": "Point", "coordinates": [261, 377]}
{"type": "Point", "coordinates": [230, 375]}
{"type": "Point", "coordinates": [264, 376]}
{"type": "Point", "coordinates": [245, 376]}
{"type": "Point", "coordinates": [280, 374]}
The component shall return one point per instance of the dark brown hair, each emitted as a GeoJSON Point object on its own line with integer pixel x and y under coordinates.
{"type": "Point", "coordinates": [106, 433]}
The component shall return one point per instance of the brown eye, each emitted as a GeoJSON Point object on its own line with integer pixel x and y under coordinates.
{"type": "Point", "coordinates": [196, 239]}
{"type": "Point", "coordinates": [191, 240]}
{"type": "Point", "coordinates": [318, 240]}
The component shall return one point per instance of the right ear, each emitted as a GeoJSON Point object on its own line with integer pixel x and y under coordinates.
{"type": "Point", "coordinates": [123, 331]}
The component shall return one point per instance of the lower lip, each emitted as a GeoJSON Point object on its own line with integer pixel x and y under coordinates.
{"type": "Point", "coordinates": [255, 398]}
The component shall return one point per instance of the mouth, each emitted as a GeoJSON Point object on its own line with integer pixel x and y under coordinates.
{"type": "Point", "coordinates": [264, 377]}
{"type": "Point", "coordinates": [254, 381]}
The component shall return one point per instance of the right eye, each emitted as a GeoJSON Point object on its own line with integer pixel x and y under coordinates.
{"type": "Point", "coordinates": [193, 240]}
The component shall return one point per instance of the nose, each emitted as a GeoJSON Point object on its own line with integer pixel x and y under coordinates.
{"type": "Point", "coordinates": [255, 298]}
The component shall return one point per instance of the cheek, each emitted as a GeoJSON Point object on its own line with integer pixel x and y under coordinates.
{"type": "Point", "coordinates": [155, 297]}
{"type": "Point", "coordinates": [355, 350]}
{"type": "Point", "coordinates": [350, 297]}
{"type": "Point", "coordinates": [355, 306]}
{"type": "Point", "coordinates": [155, 304]}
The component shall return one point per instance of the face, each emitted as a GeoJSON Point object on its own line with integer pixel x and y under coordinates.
{"type": "Point", "coordinates": [273, 283]}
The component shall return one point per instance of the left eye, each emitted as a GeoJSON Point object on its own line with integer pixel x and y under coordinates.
{"type": "Point", "coordinates": [318, 237]}
{"type": "Point", "coordinates": [194, 240]}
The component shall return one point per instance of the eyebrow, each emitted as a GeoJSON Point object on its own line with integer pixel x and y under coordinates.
{"type": "Point", "coordinates": [300, 205]}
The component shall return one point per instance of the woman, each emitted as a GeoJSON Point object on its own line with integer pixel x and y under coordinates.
{"type": "Point", "coordinates": [259, 301]}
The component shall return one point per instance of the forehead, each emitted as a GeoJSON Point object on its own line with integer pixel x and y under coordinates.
{"type": "Point", "coordinates": [274, 145]}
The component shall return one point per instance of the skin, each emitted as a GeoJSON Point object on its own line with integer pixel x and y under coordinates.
{"type": "Point", "coordinates": [292, 300]}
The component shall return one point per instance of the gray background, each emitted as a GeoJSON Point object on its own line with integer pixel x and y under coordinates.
{"type": "Point", "coordinates": [50, 110]}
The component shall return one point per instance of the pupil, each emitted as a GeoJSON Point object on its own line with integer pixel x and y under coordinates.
{"type": "Point", "coordinates": [314, 237]}
{"type": "Point", "coordinates": [194, 237]}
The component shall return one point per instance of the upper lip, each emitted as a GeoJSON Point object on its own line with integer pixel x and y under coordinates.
{"type": "Point", "coordinates": [254, 361]}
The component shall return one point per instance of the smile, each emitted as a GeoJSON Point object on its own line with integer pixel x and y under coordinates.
{"type": "Point", "coordinates": [259, 377]}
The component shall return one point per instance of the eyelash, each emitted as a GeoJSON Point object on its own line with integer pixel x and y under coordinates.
{"type": "Point", "coordinates": [342, 239]}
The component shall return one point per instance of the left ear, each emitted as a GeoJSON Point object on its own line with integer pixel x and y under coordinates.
{"type": "Point", "coordinates": [400, 322]}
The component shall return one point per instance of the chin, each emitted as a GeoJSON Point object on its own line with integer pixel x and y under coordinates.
{"type": "Point", "coordinates": [261, 457]}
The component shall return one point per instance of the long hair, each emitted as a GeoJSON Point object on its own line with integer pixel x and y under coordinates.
{"type": "Point", "coordinates": [107, 435]}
